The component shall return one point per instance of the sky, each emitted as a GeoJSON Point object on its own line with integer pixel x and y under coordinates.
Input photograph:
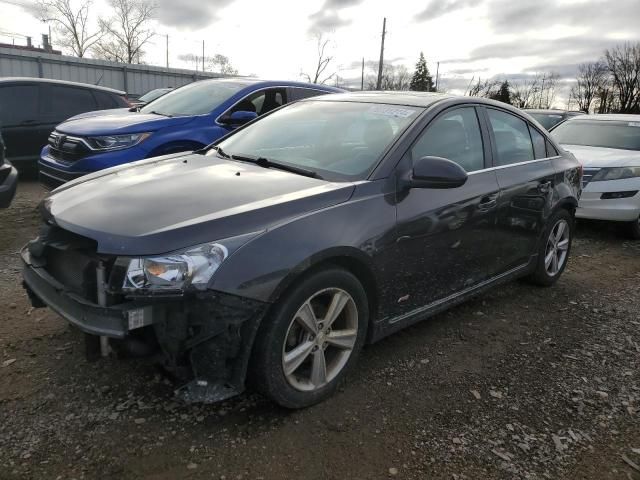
{"type": "Point", "coordinates": [470, 39]}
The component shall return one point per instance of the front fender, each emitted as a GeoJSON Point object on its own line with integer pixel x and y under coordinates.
{"type": "Point", "coordinates": [361, 228]}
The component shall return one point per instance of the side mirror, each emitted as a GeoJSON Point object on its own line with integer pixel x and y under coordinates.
{"type": "Point", "coordinates": [239, 118]}
{"type": "Point", "coordinates": [437, 172]}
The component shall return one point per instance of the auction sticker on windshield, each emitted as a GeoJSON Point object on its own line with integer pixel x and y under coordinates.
{"type": "Point", "coordinates": [392, 111]}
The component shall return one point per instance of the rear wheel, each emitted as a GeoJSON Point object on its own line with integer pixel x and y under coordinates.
{"type": "Point", "coordinates": [554, 248]}
{"type": "Point", "coordinates": [634, 229]}
{"type": "Point", "coordinates": [315, 333]}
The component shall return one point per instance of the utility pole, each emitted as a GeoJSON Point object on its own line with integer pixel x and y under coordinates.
{"type": "Point", "coordinates": [167, 35]}
{"type": "Point", "coordinates": [362, 77]}
{"type": "Point", "coordinates": [384, 32]}
{"type": "Point", "coordinates": [202, 56]}
{"type": "Point", "coordinates": [437, 75]}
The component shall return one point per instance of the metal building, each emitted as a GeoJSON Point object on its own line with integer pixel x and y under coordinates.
{"type": "Point", "coordinates": [133, 79]}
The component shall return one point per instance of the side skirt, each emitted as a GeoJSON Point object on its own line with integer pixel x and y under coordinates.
{"type": "Point", "coordinates": [388, 326]}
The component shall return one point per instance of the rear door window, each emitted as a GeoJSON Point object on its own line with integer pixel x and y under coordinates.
{"type": "Point", "coordinates": [455, 136]}
{"type": "Point", "coordinates": [512, 138]}
{"type": "Point", "coordinates": [18, 105]}
{"type": "Point", "coordinates": [105, 100]}
{"type": "Point", "coordinates": [297, 93]}
{"type": "Point", "coordinates": [69, 101]}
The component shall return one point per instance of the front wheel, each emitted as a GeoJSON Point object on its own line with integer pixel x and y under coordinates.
{"type": "Point", "coordinates": [634, 229]}
{"type": "Point", "coordinates": [308, 343]}
{"type": "Point", "coordinates": [554, 248]}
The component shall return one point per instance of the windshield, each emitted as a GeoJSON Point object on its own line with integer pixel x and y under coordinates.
{"type": "Point", "coordinates": [153, 94]}
{"type": "Point", "coordinates": [599, 133]}
{"type": "Point", "coordinates": [197, 98]}
{"type": "Point", "coordinates": [547, 120]}
{"type": "Point", "coordinates": [338, 140]}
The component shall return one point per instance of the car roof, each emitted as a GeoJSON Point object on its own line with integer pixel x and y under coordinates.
{"type": "Point", "coordinates": [612, 117]}
{"type": "Point", "coordinates": [261, 83]}
{"type": "Point", "coordinates": [552, 111]}
{"type": "Point", "coordinates": [60, 82]}
{"type": "Point", "coordinates": [411, 99]}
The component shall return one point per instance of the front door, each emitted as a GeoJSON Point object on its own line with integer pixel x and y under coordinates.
{"type": "Point", "coordinates": [21, 122]}
{"type": "Point", "coordinates": [445, 237]}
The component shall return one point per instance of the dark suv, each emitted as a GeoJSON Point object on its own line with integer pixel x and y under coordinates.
{"type": "Point", "coordinates": [30, 108]}
{"type": "Point", "coordinates": [277, 253]}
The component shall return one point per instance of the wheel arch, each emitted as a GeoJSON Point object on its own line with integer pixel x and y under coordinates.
{"type": "Point", "coordinates": [350, 259]}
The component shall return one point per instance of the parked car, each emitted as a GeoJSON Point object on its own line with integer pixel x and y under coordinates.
{"type": "Point", "coordinates": [185, 119]}
{"type": "Point", "coordinates": [150, 96]}
{"type": "Point", "coordinates": [8, 177]}
{"type": "Point", "coordinates": [550, 118]}
{"type": "Point", "coordinates": [277, 253]}
{"type": "Point", "coordinates": [608, 146]}
{"type": "Point", "coordinates": [30, 108]}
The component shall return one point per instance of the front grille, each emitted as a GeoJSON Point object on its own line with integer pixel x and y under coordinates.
{"type": "Point", "coordinates": [588, 174]}
{"type": "Point", "coordinates": [70, 259]}
{"type": "Point", "coordinates": [67, 149]}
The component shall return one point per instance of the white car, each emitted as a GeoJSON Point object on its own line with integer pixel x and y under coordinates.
{"type": "Point", "coordinates": [608, 146]}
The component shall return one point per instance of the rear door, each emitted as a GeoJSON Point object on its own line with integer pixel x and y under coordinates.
{"type": "Point", "coordinates": [446, 237]}
{"type": "Point", "coordinates": [21, 120]}
{"type": "Point", "coordinates": [526, 177]}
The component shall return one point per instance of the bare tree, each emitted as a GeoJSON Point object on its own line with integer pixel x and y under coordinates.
{"type": "Point", "coordinates": [484, 88]}
{"type": "Point", "coordinates": [127, 31]}
{"type": "Point", "coordinates": [71, 24]}
{"type": "Point", "coordinates": [623, 62]}
{"type": "Point", "coordinates": [591, 79]}
{"type": "Point", "coordinates": [393, 77]}
{"type": "Point", "coordinates": [538, 91]}
{"type": "Point", "coordinates": [324, 60]}
{"type": "Point", "coordinates": [221, 64]}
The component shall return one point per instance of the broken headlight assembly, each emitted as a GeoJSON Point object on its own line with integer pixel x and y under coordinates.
{"type": "Point", "coordinates": [179, 271]}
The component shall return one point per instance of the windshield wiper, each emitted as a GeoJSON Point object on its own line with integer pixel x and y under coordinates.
{"type": "Point", "coordinates": [218, 149]}
{"type": "Point", "coordinates": [161, 114]}
{"type": "Point", "coordinates": [266, 163]}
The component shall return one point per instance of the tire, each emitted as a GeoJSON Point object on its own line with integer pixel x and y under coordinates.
{"type": "Point", "coordinates": [633, 229]}
{"type": "Point", "coordinates": [546, 274]}
{"type": "Point", "coordinates": [289, 353]}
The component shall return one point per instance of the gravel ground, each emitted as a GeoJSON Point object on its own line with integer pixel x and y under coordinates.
{"type": "Point", "coordinates": [521, 383]}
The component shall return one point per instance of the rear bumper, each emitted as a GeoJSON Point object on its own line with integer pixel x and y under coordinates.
{"type": "Point", "coordinates": [8, 184]}
{"type": "Point", "coordinates": [592, 206]}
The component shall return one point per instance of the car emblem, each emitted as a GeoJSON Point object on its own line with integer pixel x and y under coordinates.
{"type": "Point", "coordinates": [59, 140]}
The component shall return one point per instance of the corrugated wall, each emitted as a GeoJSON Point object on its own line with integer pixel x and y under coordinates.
{"type": "Point", "coordinates": [134, 79]}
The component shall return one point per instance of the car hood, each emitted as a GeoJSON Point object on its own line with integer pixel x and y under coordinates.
{"type": "Point", "coordinates": [120, 123]}
{"type": "Point", "coordinates": [97, 113]}
{"type": "Point", "coordinates": [168, 203]}
{"type": "Point", "coordinates": [599, 157]}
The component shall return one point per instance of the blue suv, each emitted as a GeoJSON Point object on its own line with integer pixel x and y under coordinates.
{"type": "Point", "coordinates": [185, 119]}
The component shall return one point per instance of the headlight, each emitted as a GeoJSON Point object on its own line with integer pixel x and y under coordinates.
{"type": "Point", "coordinates": [617, 173]}
{"type": "Point", "coordinates": [117, 142]}
{"type": "Point", "coordinates": [194, 267]}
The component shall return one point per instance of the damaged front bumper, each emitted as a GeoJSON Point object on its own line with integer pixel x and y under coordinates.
{"type": "Point", "coordinates": [205, 338]}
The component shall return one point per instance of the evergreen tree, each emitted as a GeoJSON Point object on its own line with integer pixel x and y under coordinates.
{"type": "Point", "coordinates": [422, 80]}
{"type": "Point", "coordinates": [504, 93]}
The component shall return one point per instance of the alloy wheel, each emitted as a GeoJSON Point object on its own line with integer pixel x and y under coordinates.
{"type": "Point", "coordinates": [557, 247]}
{"type": "Point", "coordinates": [320, 339]}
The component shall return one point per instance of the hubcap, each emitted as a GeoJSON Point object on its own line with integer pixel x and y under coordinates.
{"type": "Point", "coordinates": [320, 339]}
{"type": "Point", "coordinates": [557, 248]}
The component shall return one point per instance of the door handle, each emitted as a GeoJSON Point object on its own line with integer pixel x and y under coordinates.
{"type": "Point", "coordinates": [544, 187]}
{"type": "Point", "coordinates": [488, 202]}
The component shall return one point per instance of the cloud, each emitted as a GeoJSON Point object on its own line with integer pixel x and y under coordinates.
{"type": "Point", "coordinates": [600, 16]}
{"type": "Point", "coordinates": [189, 14]}
{"type": "Point", "coordinates": [438, 8]}
{"type": "Point", "coordinates": [328, 17]}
